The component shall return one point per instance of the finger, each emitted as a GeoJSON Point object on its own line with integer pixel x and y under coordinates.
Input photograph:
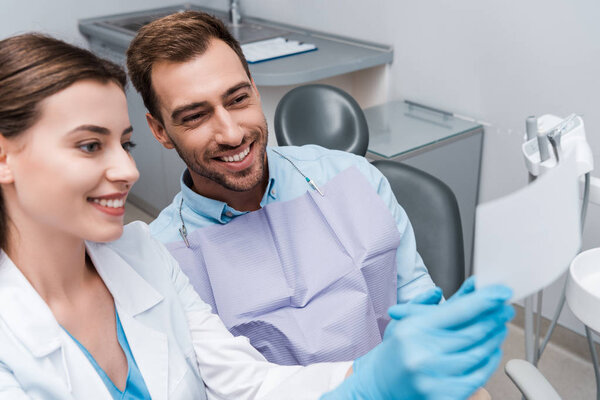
{"type": "Point", "coordinates": [401, 311]}
{"type": "Point", "coordinates": [431, 296]}
{"type": "Point", "coordinates": [461, 387]}
{"type": "Point", "coordinates": [467, 287]}
{"type": "Point", "coordinates": [460, 363]}
{"type": "Point", "coordinates": [467, 308]}
{"type": "Point", "coordinates": [449, 341]}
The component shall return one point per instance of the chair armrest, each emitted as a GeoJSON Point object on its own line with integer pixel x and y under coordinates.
{"type": "Point", "coordinates": [530, 381]}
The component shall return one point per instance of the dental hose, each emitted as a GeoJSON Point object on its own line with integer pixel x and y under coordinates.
{"type": "Point", "coordinates": [561, 303]}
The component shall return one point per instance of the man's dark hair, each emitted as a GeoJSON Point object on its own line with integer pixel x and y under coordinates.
{"type": "Point", "coordinates": [177, 37]}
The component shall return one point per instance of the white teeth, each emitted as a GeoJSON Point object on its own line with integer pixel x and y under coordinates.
{"type": "Point", "coordinates": [237, 157]}
{"type": "Point", "coordinates": [112, 203]}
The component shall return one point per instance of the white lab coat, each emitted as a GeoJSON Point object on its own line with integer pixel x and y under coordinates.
{"type": "Point", "coordinates": [172, 333]}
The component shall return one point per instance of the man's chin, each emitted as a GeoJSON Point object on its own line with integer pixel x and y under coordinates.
{"type": "Point", "coordinates": [241, 182]}
{"type": "Point", "coordinates": [240, 186]}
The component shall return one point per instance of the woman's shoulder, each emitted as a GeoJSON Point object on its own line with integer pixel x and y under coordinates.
{"type": "Point", "coordinates": [134, 232]}
{"type": "Point", "coordinates": [142, 252]}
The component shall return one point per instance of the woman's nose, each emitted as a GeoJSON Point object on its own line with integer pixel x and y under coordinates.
{"type": "Point", "coordinates": [122, 168]}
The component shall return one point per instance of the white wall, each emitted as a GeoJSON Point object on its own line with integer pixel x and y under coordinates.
{"type": "Point", "coordinates": [497, 61]}
{"type": "Point", "coordinates": [59, 17]}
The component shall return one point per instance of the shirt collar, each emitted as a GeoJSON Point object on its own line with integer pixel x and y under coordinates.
{"type": "Point", "coordinates": [217, 210]}
{"type": "Point", "coordinates": [210, 208]}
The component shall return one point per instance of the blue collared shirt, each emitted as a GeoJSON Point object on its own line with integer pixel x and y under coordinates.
{"type": "Point", "coordinates": [320, 165]}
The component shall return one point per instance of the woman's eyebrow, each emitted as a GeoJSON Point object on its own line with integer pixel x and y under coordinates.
{"type": "Point", "coordinates": [99, 129]}
{"type": "Point", "coordinates": [91, 128]}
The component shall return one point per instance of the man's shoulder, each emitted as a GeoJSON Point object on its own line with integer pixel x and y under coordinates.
{"type": "Point", "coordinates": [313, 152]}
{"type": "Point", "coordinates": [163, 227]}
{"type": "Point", "coordinates": [319, 159]}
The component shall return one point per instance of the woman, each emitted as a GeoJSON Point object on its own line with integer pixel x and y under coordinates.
{"type": "Point", "coordinates": [90, 310]}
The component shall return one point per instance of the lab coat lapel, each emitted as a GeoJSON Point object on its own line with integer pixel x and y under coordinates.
{"type": "Point", "coordinates": [31, 321]}
{"type": "Point", "coordinates": [134, 296]}
{"type": "Point", "coordinates": [150, 350]}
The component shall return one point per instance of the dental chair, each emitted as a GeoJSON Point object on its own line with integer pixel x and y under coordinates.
{"type": "Point", "coordinates": [323, 115]}
{"type": "Point", "coordinates": [329, 117]}
{"type": "Point", "coordinates": [433, 211]}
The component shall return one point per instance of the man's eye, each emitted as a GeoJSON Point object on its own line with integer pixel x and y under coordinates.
{"type": "Point", "coordinates": [192, 118]}
{"type": "Point", "coordinates": [239, 99]}
{"type": "Point", "coordinates": [90, 147]}
{"type": "Point", "coordinates": [127, 146]}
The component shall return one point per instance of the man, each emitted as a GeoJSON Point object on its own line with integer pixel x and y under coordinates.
{"type": "Point", "coordinates": [306, 270]}
{"type": "Point", "coordinates": [300, 249]}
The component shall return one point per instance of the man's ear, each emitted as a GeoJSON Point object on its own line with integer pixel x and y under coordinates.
{"type": "Point", "coordinates": [6, 175]}
{"type": "Point", "coordinates": [159, 132]}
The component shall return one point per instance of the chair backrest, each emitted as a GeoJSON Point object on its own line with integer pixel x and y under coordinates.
{"type": "Point", "coordinates": [433, 212]}
{"type": "Point", "coordinates": [323, 115]}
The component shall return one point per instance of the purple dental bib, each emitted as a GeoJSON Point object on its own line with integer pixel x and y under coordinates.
{"type": "Point", "coordinates": [306, 280]}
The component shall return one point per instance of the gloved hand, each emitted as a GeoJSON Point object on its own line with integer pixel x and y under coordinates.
{"type": "Point", "coordinates": [442, 352]}
{"type": "Point", "coordinates": [432, 296]}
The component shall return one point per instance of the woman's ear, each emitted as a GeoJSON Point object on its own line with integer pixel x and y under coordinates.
{"type": "Point", "coordinates": [6, 175]}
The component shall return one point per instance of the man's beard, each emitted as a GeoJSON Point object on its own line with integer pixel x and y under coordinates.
{"type": "Point", "coordinates": [239, 181]}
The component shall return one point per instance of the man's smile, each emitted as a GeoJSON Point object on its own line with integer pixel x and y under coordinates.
{"type": "Point", "coordinates": [237, 157]}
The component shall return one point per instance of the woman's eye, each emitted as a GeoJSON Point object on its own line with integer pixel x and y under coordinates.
{"type": "Point", "coordinates": [90, 147]}
{"type": "Point", "coordinates": [127, 146]}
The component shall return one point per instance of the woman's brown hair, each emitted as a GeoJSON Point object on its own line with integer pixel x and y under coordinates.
{"type": "Point", "coordinates": [34, 67]}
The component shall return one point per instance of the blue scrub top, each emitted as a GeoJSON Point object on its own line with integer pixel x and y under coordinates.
{"type": "Point", "coordinates": [135, 388]}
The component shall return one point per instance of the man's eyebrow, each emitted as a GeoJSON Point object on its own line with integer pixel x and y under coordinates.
{"type": "Point", "coordinates": [192, 106]}
{"type": "Point", "coordinates": [127, 130]}
{"type": "Point", "coordinates": [232, 90]}
{"type": "Point", "coordinates": [180, 110]}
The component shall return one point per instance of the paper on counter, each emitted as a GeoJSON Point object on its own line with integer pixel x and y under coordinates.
{"type": "Point", "coordinates": [270, 49]}
{"type": "Point", "coordinates": [527, 239]}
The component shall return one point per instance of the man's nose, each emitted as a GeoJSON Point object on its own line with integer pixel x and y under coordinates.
{"type": "Point", "coordinates": [227, 130]}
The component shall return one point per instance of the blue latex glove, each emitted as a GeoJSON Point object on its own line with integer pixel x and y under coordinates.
{"type": "Point", "coordinates": [442, 352]}
{"type": "Point", "coordinates": [431, 297]}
